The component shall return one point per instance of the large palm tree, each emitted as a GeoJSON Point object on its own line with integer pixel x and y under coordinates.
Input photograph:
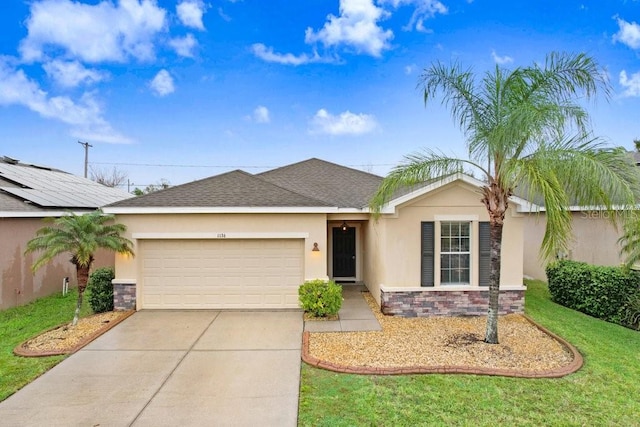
{"type": "Point", "coordinates": [80, 236]}
{"type": "Point", "coordinates": [526, 131]}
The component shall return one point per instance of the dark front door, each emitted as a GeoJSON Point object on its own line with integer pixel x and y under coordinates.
{"type": "Point", "coordinates": [344, 252]}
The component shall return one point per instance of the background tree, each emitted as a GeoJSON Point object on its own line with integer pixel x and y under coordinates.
{"type": "Point", "coordinates": [111, 178]}
{"type": "Point", "coordinates": [80, 236]}
{"type": "Point", "coordinates": [161, 185]}
{"type": "Point", "coordinates": [526, 130]}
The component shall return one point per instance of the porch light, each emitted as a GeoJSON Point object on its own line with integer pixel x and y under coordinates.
{"type": "Point", "coordinates": [344, 227]}
{"type": "Point", "coordinates": [315, 247]}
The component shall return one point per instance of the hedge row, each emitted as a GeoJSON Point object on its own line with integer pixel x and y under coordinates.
{"type": "Point", "coordinates": [602, 292]}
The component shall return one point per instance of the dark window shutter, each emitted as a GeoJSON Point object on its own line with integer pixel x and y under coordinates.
{"type": "Point", "coordinates": [427, 254]}
{"type": "Point", "coordinates": [484, 239]}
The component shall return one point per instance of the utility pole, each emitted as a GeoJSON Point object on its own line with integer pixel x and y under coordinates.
{"type": "Point", "coordinates": [86, 146]}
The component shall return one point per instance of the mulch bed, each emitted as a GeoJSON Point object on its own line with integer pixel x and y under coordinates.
{"type": "Point", "coordinates": [67, 339]}
{"type": "Point", "coordinates": [443, 345]}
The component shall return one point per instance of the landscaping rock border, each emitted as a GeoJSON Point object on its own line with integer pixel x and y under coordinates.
{"type": "Point", "coordinates": [23, 351]}
{"type": "Point", "coordinates": [572, 367]}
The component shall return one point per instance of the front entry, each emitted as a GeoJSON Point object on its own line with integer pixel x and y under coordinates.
{"type": "Point", "coordinates": [344, 252]}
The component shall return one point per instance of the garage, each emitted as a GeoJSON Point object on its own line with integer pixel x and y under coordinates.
{"type": "Point", "coordinates": [220, 273]}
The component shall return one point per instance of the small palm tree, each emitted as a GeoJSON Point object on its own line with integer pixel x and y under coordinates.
{"type": "Point", "coordinates": [517, 125]}
{"type": "Point", "coordinates": [81, 236]}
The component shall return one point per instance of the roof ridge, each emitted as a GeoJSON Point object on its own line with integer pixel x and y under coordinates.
{"type": "Point", "coordinates": [291, 191]}
{"type": "Point", "coordinates": [323, 161]}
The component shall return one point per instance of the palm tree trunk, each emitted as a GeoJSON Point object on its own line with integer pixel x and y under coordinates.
{"type": "Point", "coordinates": [82, 274]}
{"type": "Point", "coordinates": [495, 232]}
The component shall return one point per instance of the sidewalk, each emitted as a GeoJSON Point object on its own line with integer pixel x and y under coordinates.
{"type": "Point", "coordinates": [355, 314]}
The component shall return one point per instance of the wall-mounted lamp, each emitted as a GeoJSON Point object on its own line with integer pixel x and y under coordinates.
{"type": "Point", "coordinates": [315, 248]}
{"type": "Point", "coordinates": [344, 227]}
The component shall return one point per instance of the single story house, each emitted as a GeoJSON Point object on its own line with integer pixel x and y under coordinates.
{"type": "Point", "coordinates": [28, 194]}
{"type": "Point", "coordinates": [243, 241]}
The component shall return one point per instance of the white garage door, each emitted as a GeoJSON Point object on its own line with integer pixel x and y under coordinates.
{"type": "Point", "coordinates": [202, 274]}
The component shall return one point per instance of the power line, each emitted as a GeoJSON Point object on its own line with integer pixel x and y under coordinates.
{"type": "Point", "coordinates": [219, 166]}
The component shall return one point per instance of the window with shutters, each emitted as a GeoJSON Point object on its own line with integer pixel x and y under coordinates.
{"type": "Point", "coordinates": [455, 253]}
{"type": "Point", "coordinates": [464, 254]}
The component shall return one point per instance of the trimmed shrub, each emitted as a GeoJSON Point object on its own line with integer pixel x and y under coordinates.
{"type": "Point", "coordinates": [321, 298]}
{"type": "Point", "coordinates": [632, 318]}
{"type": "Point", "coordinates": [101, 290]}
{"type": "Point", "coordinates": [602, 292]}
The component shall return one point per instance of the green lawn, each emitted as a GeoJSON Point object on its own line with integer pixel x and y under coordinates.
{"type": "Point", "coordinates": [20, 323]}
{"type": "Point", "coordinates": [606, 391]}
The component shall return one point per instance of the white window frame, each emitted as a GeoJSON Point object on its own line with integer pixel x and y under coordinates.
{"type": "Point", "coordinates": [468, 253]}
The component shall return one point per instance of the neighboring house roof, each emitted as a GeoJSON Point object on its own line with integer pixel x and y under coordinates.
{"type": "Point", "coordinates": [336, 185]}
{"type": "Point", "coordinates": [32, 190]}
{"type": "Point", "coordinates": [231, 189]}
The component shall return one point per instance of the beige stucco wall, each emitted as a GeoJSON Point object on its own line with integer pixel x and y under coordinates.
{"type": "Point", "coordinates": [315, 225]}
{"type": "Point", "coordinates": [18, 285]}
{"type": "Point", "coordinates": [399, 238]}
{"type": "Point", "coordinates": [594, 240]}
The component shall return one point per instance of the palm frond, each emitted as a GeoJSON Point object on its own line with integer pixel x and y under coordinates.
{"type": "Point", "coordinates": [80, 236]}
{"type": "Point", "coordinates": [417, 168]}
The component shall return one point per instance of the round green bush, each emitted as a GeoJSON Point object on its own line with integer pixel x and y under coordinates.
{"type": "Point", "coordinates": [321, 298]}
{"type": "Point", "coordinates": [101, 290]}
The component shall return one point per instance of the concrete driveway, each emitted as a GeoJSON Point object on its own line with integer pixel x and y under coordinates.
{"type": "Point", "coordinates": [173, 368]}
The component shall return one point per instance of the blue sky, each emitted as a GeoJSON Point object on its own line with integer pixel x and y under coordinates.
{"type": "Point", "coordinates": [181, 90]}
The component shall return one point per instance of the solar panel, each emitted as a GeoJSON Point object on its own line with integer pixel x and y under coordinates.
{"type": "Point", "coordinates": [50, 188]}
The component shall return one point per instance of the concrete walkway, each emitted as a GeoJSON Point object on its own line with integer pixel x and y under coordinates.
{"type": "Point", "coordinates": [173, 368]}
{"type": "Point", "coordinates": [354, 315]}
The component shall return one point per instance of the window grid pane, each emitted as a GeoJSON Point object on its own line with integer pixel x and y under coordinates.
{"type": "Point", "coordinates": [455, 255]}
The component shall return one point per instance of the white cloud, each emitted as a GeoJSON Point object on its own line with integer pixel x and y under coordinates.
{"type": "Point", "coordinates": [223, 15]}
{"type": "Point", "coordinates": [628, 34]}
{"type": "Point", "coordinates": [631, 85]}
{"type": "Point", "coordinates": [409, 69]}
{"type": "Point", "coordinates": [356, 27]}
{"type": "Point", "coordinates": [93, 33]}
{"type": "Point", "coordinates": [85, 116]}
{"type": "Point", "coordinates": [162, 83]}
{"type": "Point", "coordinates": [190, 13]}
{"type": "Point", "coordinates": [267, 54]}
{"type": "Point", "coordinates": [261, 114]}
{"type": "Point", "coordinates": [347, 123]}
{"type": "Point", "coordinates": [184, 46]}
{"type": "Point", "coordinates": [501, 60]}
{"type": "Point", "coordinates": [70, 74]}
{"type": "Point", "coordinates": [424, 9]}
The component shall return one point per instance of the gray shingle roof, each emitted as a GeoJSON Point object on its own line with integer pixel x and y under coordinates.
{"type": "Point", "coordinates": [26, 187]}
{"type": "Point", "coordinates": [311, 183]}
{"type": "Point", "coordinates": [231, 189]}
{"type": "Point", "coordinates": [334, 184]}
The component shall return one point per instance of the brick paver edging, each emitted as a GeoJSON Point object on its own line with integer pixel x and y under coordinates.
{"type": "Point", "coordinates": [26, 352]}
{"type": "Point", "coordinates": [562, 371]}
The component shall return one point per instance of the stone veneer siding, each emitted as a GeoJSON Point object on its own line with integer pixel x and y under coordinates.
{"type": "Point", "coordinates": [448, 303]}
{"type": "Point", "coordinates": [124, 296]}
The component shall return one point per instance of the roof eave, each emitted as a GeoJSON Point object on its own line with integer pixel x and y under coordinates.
{"type": "Point", "coordinates": [223, 210]}
{"type": "Point", "coordinates": [522, 205]}
{"type": "Point", "coordinates": [42, 214]}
